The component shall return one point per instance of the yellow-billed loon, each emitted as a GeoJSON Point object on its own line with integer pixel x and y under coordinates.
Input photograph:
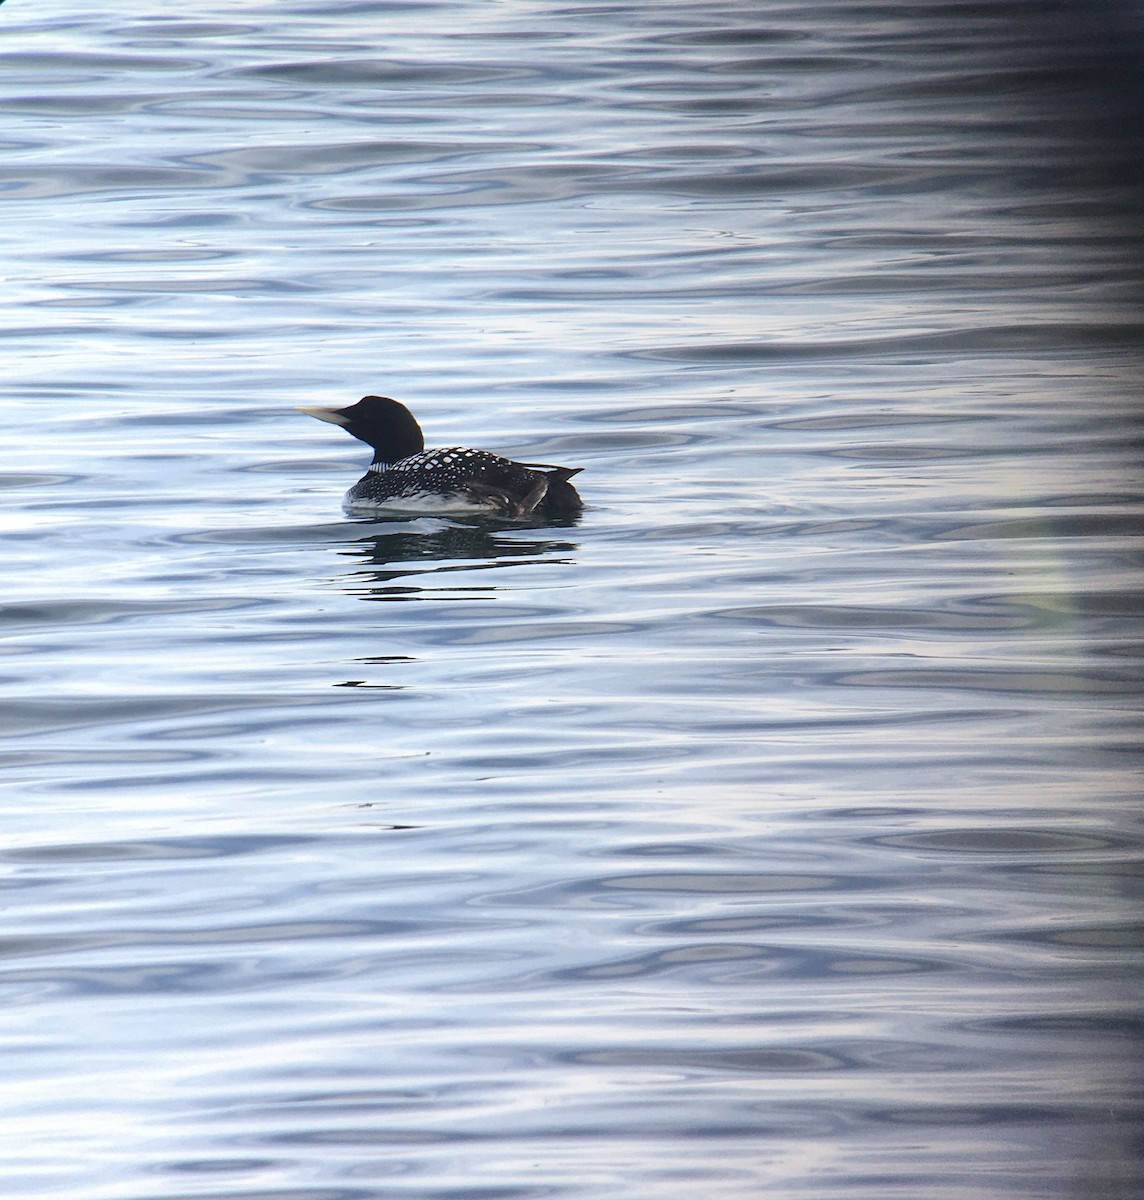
{"type": "Point", "coordinates": [406, 477]}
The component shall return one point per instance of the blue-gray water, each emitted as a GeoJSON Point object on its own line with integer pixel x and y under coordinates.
{"type": "Point", "coordinates": [769, 831]}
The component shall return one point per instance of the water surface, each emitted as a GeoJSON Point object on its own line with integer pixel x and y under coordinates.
{"type": "Point", "coordinates": [773, 828]}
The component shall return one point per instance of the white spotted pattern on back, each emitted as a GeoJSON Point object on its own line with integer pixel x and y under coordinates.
{"type": "Point", "coordinates": [440, 480]}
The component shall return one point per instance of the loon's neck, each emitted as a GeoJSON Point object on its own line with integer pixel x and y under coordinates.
{"type": "Point", "coordinates": [377, 467]}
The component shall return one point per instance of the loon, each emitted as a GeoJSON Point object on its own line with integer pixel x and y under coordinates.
{"type": "Point", "coordinates": [404, 476]}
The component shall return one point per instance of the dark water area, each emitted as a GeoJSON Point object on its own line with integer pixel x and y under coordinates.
{"type": "Point", "coordinates": [771, 828]}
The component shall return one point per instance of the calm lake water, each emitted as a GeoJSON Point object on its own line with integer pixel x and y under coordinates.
{"type": "Point", "coordinates": [772, 829]}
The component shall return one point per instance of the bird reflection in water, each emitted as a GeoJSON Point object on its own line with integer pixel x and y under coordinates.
{"type": "Point", "coordinates": [391, 556]}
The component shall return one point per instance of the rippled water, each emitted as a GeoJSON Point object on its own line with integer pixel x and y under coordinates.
{"type": "Point", "coordinates": [773, 828]}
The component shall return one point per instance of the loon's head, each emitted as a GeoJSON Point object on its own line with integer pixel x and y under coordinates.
{"type": "Point", "coordinates": [385, 424]}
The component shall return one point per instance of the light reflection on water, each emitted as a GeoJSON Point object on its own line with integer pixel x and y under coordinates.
{"type": "Point", "coordinates": [770, 827]}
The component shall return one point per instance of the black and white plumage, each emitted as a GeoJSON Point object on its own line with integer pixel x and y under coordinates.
{"type": "Point", "coordinates": [406, 477]}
